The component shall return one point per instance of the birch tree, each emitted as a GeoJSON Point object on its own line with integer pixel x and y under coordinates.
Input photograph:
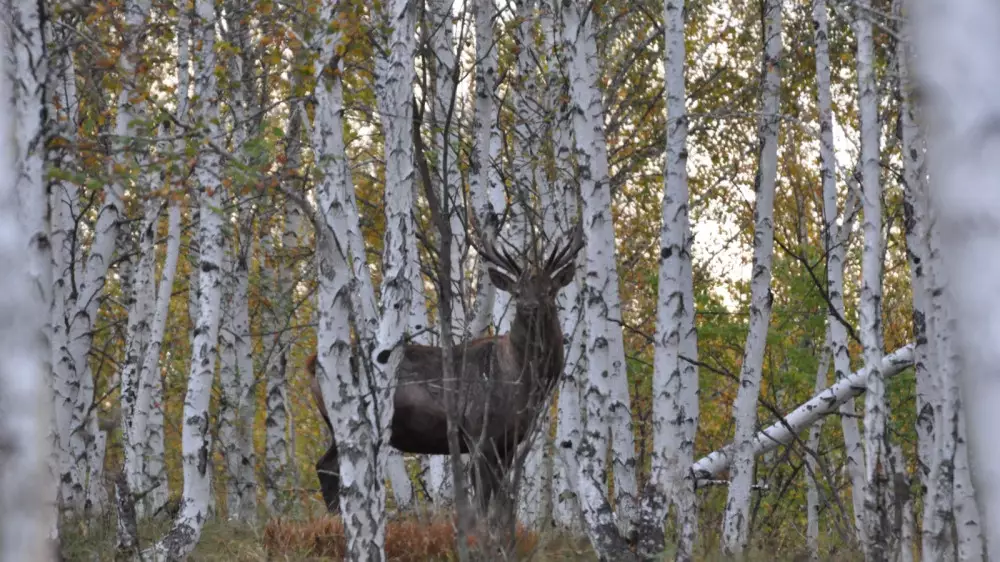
{"type": "Point", "coordinates": [952, 69]}
{"type": "Point", "coordinates": [485, 185]}
{"type": "Point", "coordinates": [282, 281]}
{"type": "Point", "coordinates": [360, 429]}
{"type": "Point", "coordinates": [195, 436]}
{"type": "Point", "coordinates": [835, 252]}
{"type": "Point", "coordinates": [147, 429]}
{"type": "Point", "coordinates": [813, 492]}
{"type": "Point", "coordinates": [27, 510]}
{"type": "Point", "coordinates": [736, 522]}
{"type": "Point", "coordinates": [608, 414]}
{"type": "Point", "coordinates": [80, 439]}
{"type": "Point", "coordinates": [675, 381]}
{"type": "Point", "coordinates": [876, 444]}
{"type": "Point", "coordinates": [237, 378]}
{"type": "Point", "coordinates": [138, 335]}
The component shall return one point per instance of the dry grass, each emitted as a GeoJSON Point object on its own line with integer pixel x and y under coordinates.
{"type": "Point", "coordinates": [407, 540]}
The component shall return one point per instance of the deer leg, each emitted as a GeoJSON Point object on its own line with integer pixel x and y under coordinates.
{"type": "Point", "coordinates": [328, 471]}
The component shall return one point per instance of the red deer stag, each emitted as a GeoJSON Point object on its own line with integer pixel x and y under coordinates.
{"type": "Point", "coordinates": [503, 380]}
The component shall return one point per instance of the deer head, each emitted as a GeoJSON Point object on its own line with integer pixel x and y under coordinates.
{"type": "Point", "coordinates": [533, 285]}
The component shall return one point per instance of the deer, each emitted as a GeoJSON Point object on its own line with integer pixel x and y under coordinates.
{"type": "Point", "coordinates": [504, 381]}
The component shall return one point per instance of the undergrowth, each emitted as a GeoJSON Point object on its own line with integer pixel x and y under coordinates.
{"type": "Point", "coordinates": [417, 537]}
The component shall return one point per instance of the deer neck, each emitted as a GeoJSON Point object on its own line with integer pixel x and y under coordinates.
{"type": "Point", "coordinates": [537, 341]}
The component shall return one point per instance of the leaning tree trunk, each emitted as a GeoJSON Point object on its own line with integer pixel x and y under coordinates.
{"type": "Point", "coordinates": [607, 397]}
{"type": "Point", "coordinates": [737, 516]}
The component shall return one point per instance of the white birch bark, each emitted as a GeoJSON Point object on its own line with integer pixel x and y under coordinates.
{"type": "Point", "coordinates": [675, 381]}
{"type": "Point", "coordinates": [968, 530]}
{"type": "Point", "coordinates": [918, 254]}
{"type": "Point", "coordinates": [835, 263]}
{"type": "Point", "coordinates": [876, 438]}
{"type": "Point", "coordinates": [138, 335]}
{"type": "Point", "coordinates": [26, 510]}
{"type": "Point", "coordinates": [956, 74]}
{"type": "Point", "coordinates": [448, 183]}
{"type": "Point", "coordinates": [65, 204]}
{"type": "Point", "coordinates": [530, 114]}
{"type": "Point", "coordinates": [196, 444]}
{"type": "Point", "coordinates": [445, 128]}
{"type": "Point", "coordinates": [147, 427]}
{"type": "Point", "coordinates": [361, 413]}
{"type": "Point", "coordinates": [812, 480]}
{"type": "Point", "coordinates": [154, 435]}
{"type": "Point", "coordinates": [736, 521]}
{"type": "Point", "coordinates": [236, 409]}
{"type": "Point", "coordinates": [485, 185]}
{"type": "Point", "coordinates": [243, 395]}
{"type": "Point", "coordinates": [80, 436]}
{"type": "Point", "coordinates": [606, 392]}
{"type": "Point", "coordinates": [394, 87]}
{"type": "Point", "coordinates": [277, 416]}
{"type": "Point", "coordinates": [569, 427]}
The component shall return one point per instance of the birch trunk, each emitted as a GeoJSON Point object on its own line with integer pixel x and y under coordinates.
{"type": "Point", "coordinates": [606, 392]}
{"type": "Point", "coordinates": [565, 502]}
{"type": "Point", "coordinates": [236, 381]}
{"type": "Point", "coordinates": [147, 426]}
{"type": "Point", "coordinates": [138, 336]}
{"type": "Point", "coordinates": [736, 523]}
{"type": "Point", "coordinates": [27, 516]}
{"type": "Point", "coordinates": [80, 437]}
{"type": "Point", "coordinates": [835, 264]}
{"type": "Point", "coordinates": [65, 206]}
{"type": "Point", "coordinates": [823, 404]}
{"type": "Point", "coordinates": [952, 40]}
{"type": "Point", "coordinates": [240, 458]}
{"type": "Point", "coordinates": [812, 492]}
{"type": "Point", "coordinates": [675, 381]}
{"type": "Point", "coordinates": [361, 429]}
{"type": "Point", "coordinates": [196, 444]}
{"type": "Point", "coordinates": [969, 533]}
{"type": "Point", "coordinates": [918, 253]}
{"type": "Point", "coordinates": [445, 127]}
{"type": "Point", "coordinates": [876, 438]}
{"type": "Point", "coordinates": [277, 418]}
{"type": "Point", "coordinates": [485, 185]}
{"type": "Point", "coordinates": [530, 117]}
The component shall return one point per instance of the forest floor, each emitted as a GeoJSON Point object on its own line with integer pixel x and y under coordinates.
{"type": "Point", "coordinates": [417, 538]}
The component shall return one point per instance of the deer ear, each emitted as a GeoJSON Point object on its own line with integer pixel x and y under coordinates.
{"type": "Point", "coordinates": [501, 280]}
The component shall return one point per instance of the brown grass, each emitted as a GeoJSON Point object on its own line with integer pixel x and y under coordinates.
{"type": "Point", "coordinates": [406, 540]}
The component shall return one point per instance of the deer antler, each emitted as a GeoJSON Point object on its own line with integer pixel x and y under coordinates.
{"type": "Point", "coordinates": [487, 249]}
{"type": "Point", "coordinates": [561, 257]}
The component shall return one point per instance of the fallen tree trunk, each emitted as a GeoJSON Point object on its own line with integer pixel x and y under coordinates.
{"type": "Point", "coordinates": [826, 402]}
